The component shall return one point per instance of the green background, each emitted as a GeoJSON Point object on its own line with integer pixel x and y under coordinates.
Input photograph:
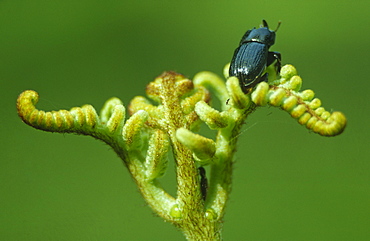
{"type": "Point", "coordinates": [289, 184]}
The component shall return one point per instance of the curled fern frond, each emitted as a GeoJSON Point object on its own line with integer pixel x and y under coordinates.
{"type": "Point", "coordinates": [301, 105]}
{"type": "Point", "coordinates": [81, 120]}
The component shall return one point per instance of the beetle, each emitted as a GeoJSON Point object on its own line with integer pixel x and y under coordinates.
{"type": "Point", "coordinates": [252, 57]}
{"type": "Point", "coordinates": [203, 182]}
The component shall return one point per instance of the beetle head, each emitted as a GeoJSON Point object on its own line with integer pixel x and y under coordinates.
{"type": "Point", "coordinates": [262, 35]}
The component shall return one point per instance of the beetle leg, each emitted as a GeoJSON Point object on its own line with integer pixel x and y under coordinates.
{"type": "Point", "coordinates": [275, 59]}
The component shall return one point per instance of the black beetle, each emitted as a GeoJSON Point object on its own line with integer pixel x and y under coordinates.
{"type": "Point", "coordinates": [203, 182]}
{"type": "Point", "coordinates": [252, 57]}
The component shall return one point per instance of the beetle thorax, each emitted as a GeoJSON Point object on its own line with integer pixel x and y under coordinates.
{"type": "Point", "coordinates": [261, 35]}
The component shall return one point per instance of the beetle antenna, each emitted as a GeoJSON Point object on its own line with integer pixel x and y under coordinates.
{"type": "Point", "coordinates": [277, 27]}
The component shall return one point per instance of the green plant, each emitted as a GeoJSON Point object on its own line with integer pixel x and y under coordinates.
{"type": "Point", "coordinates": [144, 140]}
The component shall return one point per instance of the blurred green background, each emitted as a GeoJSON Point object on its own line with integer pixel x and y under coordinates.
{"type": "Point", "coordinates": [289, 184]}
